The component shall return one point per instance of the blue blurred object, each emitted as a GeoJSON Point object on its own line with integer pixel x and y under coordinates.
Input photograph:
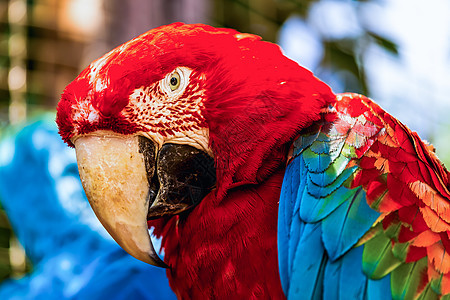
{"type": "Point", "coordinates": [72, 256]}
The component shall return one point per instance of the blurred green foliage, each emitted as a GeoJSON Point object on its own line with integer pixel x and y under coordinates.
{"type": "Point", "coordinates": [5, 238]}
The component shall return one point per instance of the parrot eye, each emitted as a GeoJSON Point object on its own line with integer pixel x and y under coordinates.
{"type": "Point", "coordinates": [174, 81]}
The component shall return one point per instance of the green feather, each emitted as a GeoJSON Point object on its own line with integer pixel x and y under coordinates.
{"type": "Point", "coordinates": [349, 151]}
{"type": "Point", "coordinates": [436, 284]}
{"type": "Point", "coordinates": [378, 260]}
{"type": "Point", "coordinates": [393, 230]}
{"type": "Point", "coordinates": [331, 173]}
{"type": "Point", "coordinates": [446, 297]}
{"type": "Point", "coordinates": [400, 250]}
{"type": "Point", "coordinates": [370, 234]}
{"type": "Point", "coordinates": [429, 294]}
{"type": "Point", "coordinates": [407, 278]}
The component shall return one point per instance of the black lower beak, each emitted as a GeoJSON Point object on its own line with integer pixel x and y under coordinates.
{"type": "Point", "coordinates": [179, 176]}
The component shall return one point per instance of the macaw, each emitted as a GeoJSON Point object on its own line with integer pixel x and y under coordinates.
{"type": "Point", "coordinates": [262, 182]}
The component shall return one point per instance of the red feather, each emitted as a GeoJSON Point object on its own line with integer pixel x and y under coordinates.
{"type": "Point", "coordinates": [226, 250]}
{"type": "Point", "coordinates": [404, 179]}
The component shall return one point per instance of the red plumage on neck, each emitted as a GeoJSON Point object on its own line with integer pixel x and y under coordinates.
{"type": "Point", "coordinates": [226, 250]}
{"type": "Point", "coordinates": [226, 247]}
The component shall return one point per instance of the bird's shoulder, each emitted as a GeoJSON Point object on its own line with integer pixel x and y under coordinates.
{"type": "Point", "coordinates": [371, 200]}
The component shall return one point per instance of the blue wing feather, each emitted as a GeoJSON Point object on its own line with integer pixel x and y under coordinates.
{"type": "Point", "coordinates": [379, 289]}
{"type": "Point", "coordinates": [316, 162]}
{"type": "Point", "coordinates": [314, 209]}
{"type": "Point", "coordinates": [321, 219]}
{"type": "Point", "coordinates": [344, 277]}
{"type": "Point", "coordinates": [308, 265]}
{"type": "Point", "coordinates": [347, 224]}
{"type": "Point", "coordinates": [285, 220]}
{"type": "Point", "coordinates": [329, 175]}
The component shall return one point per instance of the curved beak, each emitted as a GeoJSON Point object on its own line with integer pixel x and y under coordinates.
{"type": "Point", "coordinates": [113, 172]}
{"type": "Point", "coordinates": [128, 181]}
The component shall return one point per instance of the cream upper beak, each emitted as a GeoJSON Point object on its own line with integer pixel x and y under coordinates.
{"type": "Point", "coordinates": [114, 177]}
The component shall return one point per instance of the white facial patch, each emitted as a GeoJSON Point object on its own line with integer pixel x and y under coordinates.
{"type": "Point", "coordinates": [171, 111]}
{"type": "Point", "coordinates": [85, 111]}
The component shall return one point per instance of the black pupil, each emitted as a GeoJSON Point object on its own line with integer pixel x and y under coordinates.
{"type": "Point", "coordinates": [173, 81]}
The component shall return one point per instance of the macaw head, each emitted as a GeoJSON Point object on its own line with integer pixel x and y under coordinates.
{"type": "Point", "coordinates": [180, 115]}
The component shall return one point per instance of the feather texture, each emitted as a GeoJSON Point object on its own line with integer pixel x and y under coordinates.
{"type": "Point", "coordinates": [379, 197]}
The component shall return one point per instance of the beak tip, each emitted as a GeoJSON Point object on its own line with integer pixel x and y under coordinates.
{"type": "Point", "coordinates": [153, 258]}
{"type": "Point", "coordinates": [160, 263]}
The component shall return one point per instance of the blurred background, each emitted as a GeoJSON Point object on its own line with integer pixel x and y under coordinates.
{"type": "Point", "coordinates": [395, 51]}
